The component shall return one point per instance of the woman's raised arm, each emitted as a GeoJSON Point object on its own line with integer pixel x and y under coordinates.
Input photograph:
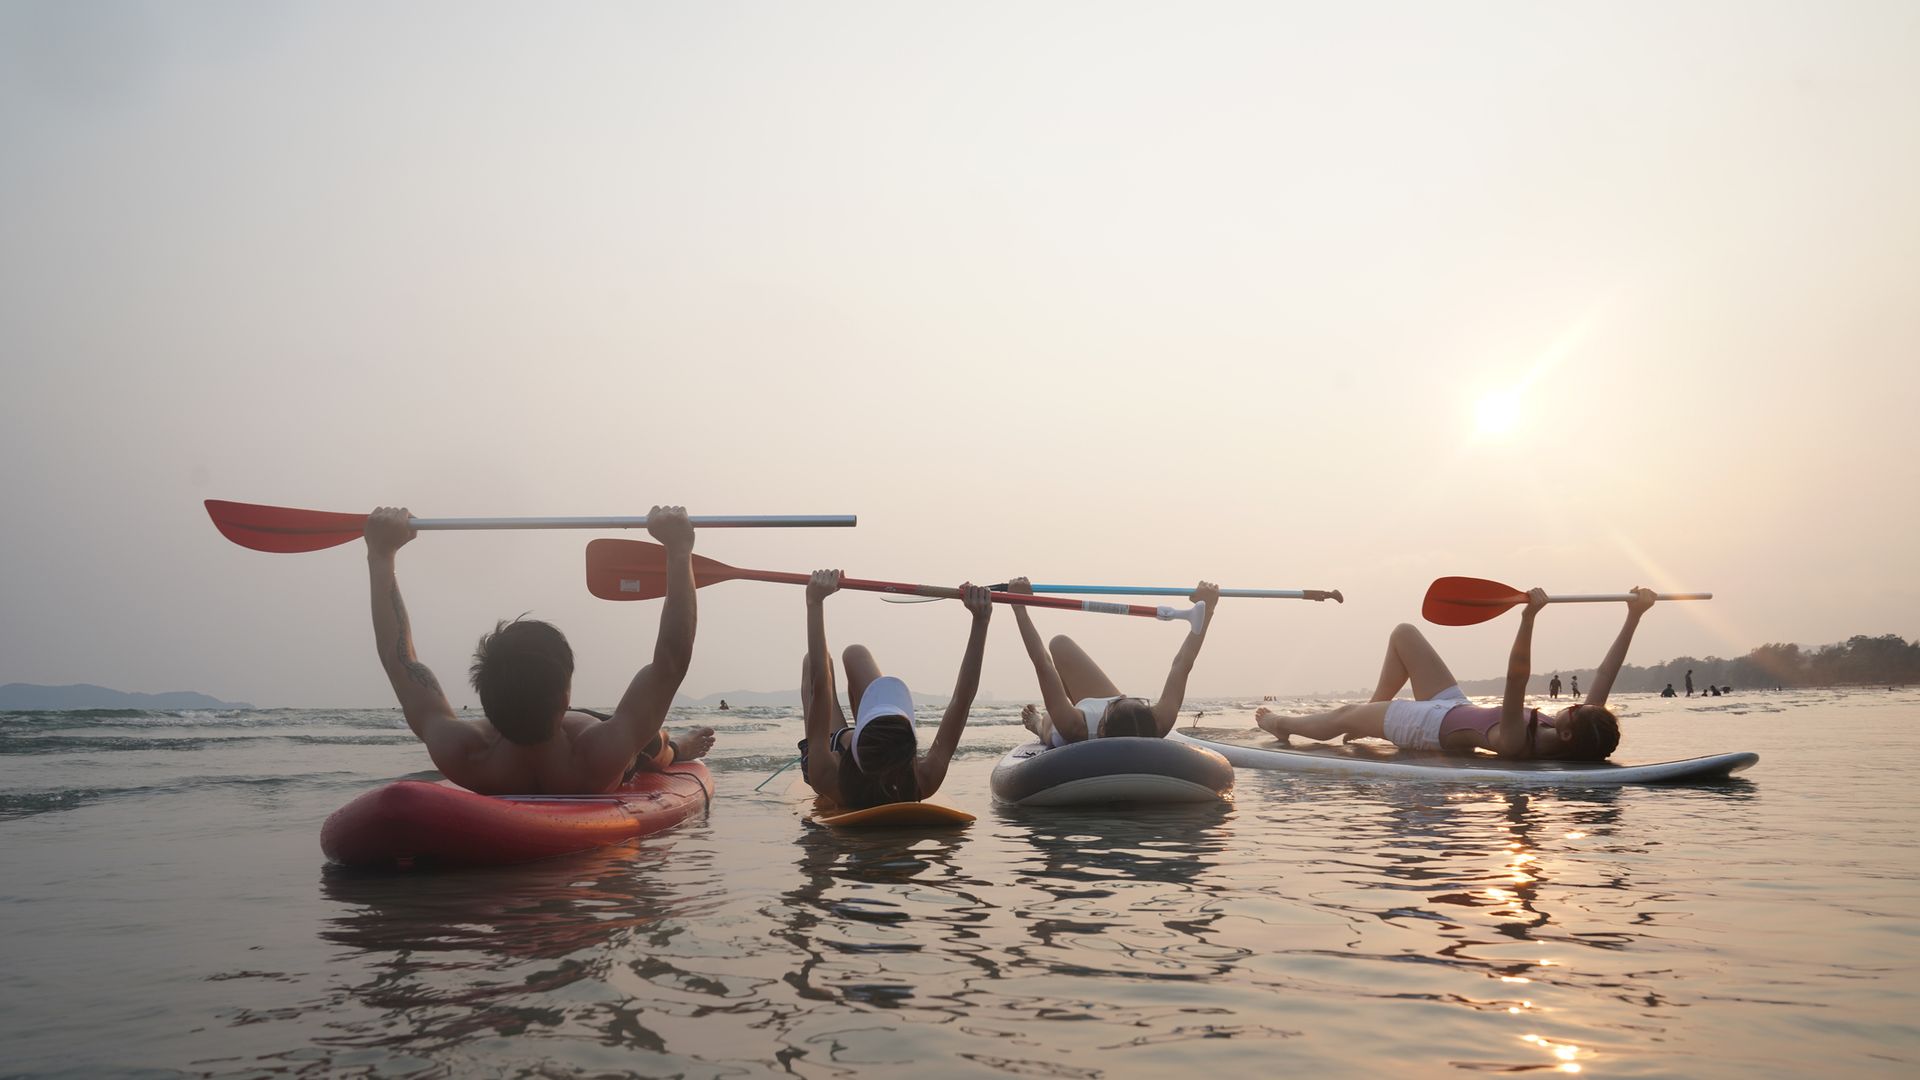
{"type": "Point", "coordinates": [1513, 705]}
{"type": "Point", "coordinates": [932, 768]}
{"type": "Point", "coordinates": [1617, 656]}
{"type": "Point", "coordinates": [1053, 693]}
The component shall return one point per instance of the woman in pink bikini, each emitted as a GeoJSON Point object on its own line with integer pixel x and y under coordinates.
{"type": "Point", "coordinates": [1439, 717]}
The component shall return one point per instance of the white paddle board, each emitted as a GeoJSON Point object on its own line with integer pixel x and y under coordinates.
{"type": "Point", "coordinates": [1363, 760]}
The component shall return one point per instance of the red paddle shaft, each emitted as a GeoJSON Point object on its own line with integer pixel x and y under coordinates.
{"type": "Point", "coordinates": [637, 570]}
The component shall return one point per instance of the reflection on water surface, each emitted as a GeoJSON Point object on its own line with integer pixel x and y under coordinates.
{"type": "Point", "coordinates": [1763, 925]}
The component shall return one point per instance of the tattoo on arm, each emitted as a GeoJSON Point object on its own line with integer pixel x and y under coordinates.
{"type": "Point", "coordinates": [403, 649]}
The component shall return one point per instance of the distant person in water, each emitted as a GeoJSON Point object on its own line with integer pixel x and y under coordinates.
{"type": "Point", "coordinates": [1441, 718]}
{"type": "Point", "coordinates": [1689, 682]}
{"type": "Point", "coordinates": [1553, 688]}
{"type": "Point", "coordinates": [723, 704]}
{"type": "Point", "coordinates": [874, 761]}
{"type": "Point", "coordinates": [1082, 703]}
{"type": "Point", "coordinates": [1668, 692]}
{"type": "Point", "coordinates": [533, 741]}
{"type": "Point", "coordinates": [1576, 686]}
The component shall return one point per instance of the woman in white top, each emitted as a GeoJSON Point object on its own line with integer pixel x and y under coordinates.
{"type": "Point", "coordinates": [1082, 702]}
{"type": "Point", "coordinates": [876, 760]}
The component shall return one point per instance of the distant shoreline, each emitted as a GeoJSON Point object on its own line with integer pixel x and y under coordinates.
{"type": "Point", "coordinates": [22, 697]}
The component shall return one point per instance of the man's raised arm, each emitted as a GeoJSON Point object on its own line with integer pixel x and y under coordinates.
{"type": "Point", "coordinates": [421, 699]}
{"type": "Point", "coordinates": [643, 708]}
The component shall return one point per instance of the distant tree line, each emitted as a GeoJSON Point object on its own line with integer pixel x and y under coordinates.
{"type": "Point", "coordinates": [1886, 660]}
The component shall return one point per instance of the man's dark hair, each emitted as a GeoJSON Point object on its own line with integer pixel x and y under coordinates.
{"type": "Point", "coordinates": [522, 672]}
{"type": "Point", "coordinates": [1128, 716]}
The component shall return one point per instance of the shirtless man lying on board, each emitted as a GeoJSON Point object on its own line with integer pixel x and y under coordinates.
{"type": "Point", "coordinates": [533, 742]}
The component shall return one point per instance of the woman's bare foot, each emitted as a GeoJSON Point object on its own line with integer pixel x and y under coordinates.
{"type": "Point", "coordinates": [693, 745]}
{"type": "Point", "coordinates": [1272, 723]}
{"type": "Point", "coordinates": [1030, 716]}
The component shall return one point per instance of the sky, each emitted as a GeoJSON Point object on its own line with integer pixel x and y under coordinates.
{"type": "Point", "coordinates": [1288, 296]}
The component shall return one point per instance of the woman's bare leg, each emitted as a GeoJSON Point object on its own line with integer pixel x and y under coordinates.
{"type": "Point", "coordinates": [1353, 721]}
{"type": "Point", "coordinates": [1078, 673]}
{"type": "Point", "coordinates": [820, 768]}
{"type": "Point", "coordinates": [862, 669]}
{"type": "Point", "coordinates": [1411, 658]}
{"type": "Point", "coordinates": [830, 693]}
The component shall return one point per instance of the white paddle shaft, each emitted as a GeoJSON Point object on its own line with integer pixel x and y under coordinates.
{"type": "Point", "coordinates": [1185, 590]}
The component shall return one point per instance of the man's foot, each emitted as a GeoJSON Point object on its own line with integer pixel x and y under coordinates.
{"type": "Point", "coordinates": [1272, 723]}
{"type": "Point", "coordinates": [693, 745]}
{"type": "Point", "coordinates": [1030, 716]}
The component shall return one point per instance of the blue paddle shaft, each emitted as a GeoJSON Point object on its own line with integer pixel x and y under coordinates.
{"type": "Point", "coordinates": [1154, 590]}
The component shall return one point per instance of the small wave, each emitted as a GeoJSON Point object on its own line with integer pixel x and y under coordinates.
{"type": "Point", "coordinates": [20, 804]}
{"type": "Point", "coordinates": [750, 762]}
{"type": "Point", "coordinates": [11, 745]}
{"type": "Point", "coordinates": [966, 752]}
{"type": "Point", "coordinates": [351, 740]}
{"type": "Point", "coordinates": [57, 715]}
{"type": "Point", "coordinates": [990, 720]}
{"type": "Point", "coordinates": [21, 722]}
{"type": "Point", "coordinates": [81, 713]}
{"type": "Point", "coordinates": [61, 744]}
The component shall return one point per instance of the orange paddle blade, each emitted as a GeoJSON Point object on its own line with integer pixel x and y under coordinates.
{"type": "Point", "coordinates": [637, 570]}
{"type": "Point", "coordinates": [1464, 601]}
{"type": "Point", "coordinates": [283, 529]}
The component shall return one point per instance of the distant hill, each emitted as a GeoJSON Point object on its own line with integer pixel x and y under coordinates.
{"type": "Point", "coordinates": [1861, 660]}
{"type": "Point", "coordinates": [29, 696]}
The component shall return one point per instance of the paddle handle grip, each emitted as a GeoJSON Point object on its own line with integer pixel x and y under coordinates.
{"type": "Point", "coordinates": [1195, 617]}
{"type": "Point", "coordinates": [1614, 598]}
{"type": "Point", "coordinates": [703, 521]}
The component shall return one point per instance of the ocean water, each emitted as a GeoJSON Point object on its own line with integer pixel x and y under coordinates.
{"type": "Point", "coordinates": [165, 911]}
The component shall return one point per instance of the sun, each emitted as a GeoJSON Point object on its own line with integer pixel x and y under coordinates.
{"type": "Point", "coordinates": [1498, 414]}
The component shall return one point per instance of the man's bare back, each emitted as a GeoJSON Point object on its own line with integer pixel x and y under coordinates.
{"type": "Point", "coordinates": [500, 767]}
{"type": "Point", "coordinates": [533, 742]}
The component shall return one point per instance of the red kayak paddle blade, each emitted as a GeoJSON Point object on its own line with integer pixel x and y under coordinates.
{"type": "Point", "coordinates": [282, 529]}
{"type": "Point", "coordinates": [637, 570]}
{"type": "Point", "coordinates": [1464, 601]}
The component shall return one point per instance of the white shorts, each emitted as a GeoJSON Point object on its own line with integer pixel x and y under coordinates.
{"type": "Point", "coordinates": [1415, 725]}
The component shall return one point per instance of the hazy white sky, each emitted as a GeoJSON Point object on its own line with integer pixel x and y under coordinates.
{"type": "Point", "coordinates": [1128, 293]}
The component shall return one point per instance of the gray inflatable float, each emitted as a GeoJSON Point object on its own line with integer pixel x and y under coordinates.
{"type": "Point", "coordinates": [1117, 770]}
